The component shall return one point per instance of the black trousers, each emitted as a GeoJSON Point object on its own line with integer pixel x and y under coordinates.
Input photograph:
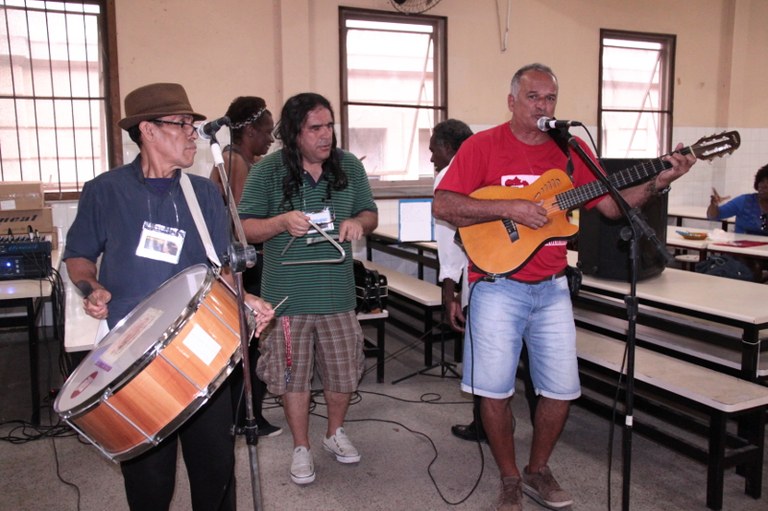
{"type": "Point", "coordinates": [258, 390]}
{"type": "Point", "coordinates": [252, 284]}
{"type": "Point", "coordinates": [208, 449]}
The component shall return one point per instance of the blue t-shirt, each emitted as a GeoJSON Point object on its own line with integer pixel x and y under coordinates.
{"type": "Point", "coordinates": [746, 209]}
{"type": "Point", "coordinates": [110, 217]}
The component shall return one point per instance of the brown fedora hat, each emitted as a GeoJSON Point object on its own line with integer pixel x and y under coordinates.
{"type": "Point", "coordinates": [156, 100]}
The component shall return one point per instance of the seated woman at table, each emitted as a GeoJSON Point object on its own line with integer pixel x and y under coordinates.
{"type": "Point", "coordinates": [751, 212]}
{"type": "Point", "coordinates": [750, 209]}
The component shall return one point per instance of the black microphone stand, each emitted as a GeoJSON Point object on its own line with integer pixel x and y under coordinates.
{"type": "Point", "coordinates": [239, 257]}
{"type": "Point", "coordinates": [445, 367]}
{"type": "Point", "coordinates": [637, 228]}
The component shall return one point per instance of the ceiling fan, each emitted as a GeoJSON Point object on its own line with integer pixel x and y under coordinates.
{"type": "Point", "coordinates": [413, 6]}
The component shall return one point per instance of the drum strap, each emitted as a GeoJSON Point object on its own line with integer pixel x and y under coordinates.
{"type": "Point", "coordinates": [197, 214]}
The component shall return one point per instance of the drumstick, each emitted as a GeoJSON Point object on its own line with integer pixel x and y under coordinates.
{"type": "Point", "coordinates": [86, 290]}
{"type": "Point", "coordinates": [275, 307]}
{"type": "Point", "coordinates": [279, 304]}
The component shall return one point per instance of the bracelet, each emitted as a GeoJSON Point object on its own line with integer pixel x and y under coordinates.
{"type": "Point", "coordinates": [655, 191]}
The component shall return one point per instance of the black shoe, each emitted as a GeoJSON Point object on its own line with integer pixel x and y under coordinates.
{"type": "Point", "coordinates": [268, 430]}
{"type": "Point", "coordinates": [468, 432]}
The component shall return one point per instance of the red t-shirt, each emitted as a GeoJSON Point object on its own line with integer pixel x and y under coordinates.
{"type": "Point", "coordinates": [496, 157]}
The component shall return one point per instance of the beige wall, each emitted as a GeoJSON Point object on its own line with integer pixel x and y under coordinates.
{"type": "Point", "coordinates": [749, 74]}
{"type": "Point", "coordinates": [274, 48]}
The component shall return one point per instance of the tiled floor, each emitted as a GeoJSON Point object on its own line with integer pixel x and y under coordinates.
{"type": "Point", "coordinates": [410, 460]}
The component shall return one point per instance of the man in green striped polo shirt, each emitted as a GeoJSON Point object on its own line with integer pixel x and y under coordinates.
{"type": "Point", "coordinates": [310, 183]}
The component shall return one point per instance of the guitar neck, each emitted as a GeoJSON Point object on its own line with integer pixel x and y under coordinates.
{"type": "Point", "coordinates": [622, 179]}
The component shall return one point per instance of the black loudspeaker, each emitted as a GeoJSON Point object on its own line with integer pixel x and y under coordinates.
{"type": "Point", "coordinates": [602, 252]}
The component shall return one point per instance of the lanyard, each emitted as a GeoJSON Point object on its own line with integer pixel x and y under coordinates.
{"type": "Point", "coordinates": [288, 355]}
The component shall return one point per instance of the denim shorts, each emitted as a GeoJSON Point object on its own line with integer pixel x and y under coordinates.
{"type": "Point", "coordinates": [504, 312]}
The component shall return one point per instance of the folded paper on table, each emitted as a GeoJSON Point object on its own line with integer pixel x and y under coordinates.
{"type": "Point", "coordinates": [415, 220]}
{"type": "Point", "coordinates": [742, 243]}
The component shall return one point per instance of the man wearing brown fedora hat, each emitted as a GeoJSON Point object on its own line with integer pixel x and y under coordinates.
{"type": "Point", "coordinates": [119, 214]}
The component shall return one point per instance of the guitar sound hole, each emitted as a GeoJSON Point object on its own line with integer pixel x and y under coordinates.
{"type": "Point", "coordinates": [511, 228]}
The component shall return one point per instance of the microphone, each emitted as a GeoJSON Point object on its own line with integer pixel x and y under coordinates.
{"type": "Point", "coordinates": [207, 130]}
{"type": "Point", "coordinates": [546, 124]}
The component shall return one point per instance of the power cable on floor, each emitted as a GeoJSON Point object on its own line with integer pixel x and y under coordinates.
{"type": "Point", "coordinates": [430, 399]}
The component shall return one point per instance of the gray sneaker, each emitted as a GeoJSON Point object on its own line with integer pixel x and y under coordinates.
{"type": "Point", "coordinates": [511, 496]}
{"type": "Point", "coordinates": [544, 489]}
{"type": "Point", "coordinates": [340, 446]}
{"type": "Point", "coordinates": [302, 466]}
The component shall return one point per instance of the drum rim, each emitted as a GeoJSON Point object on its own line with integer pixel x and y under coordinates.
{"type": "Point", "coordinates": [130, 372]}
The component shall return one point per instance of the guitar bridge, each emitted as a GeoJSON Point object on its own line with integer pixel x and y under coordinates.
{"type": "Point", "coordinates": [511, 228]}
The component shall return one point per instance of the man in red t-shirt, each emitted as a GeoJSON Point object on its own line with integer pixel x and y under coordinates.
{"type": "Point", "coordinates": [533, 301]}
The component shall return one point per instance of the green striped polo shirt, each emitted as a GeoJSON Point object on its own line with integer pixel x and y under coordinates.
{"type": "Point", "coordinates": [316, 288]}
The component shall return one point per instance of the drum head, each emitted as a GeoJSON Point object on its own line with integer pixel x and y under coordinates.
{"type": "Point", "coordinates": [135, 340]}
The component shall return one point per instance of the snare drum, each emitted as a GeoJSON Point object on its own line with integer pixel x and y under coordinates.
{"type": "Point", "coordinates": [157, 367]}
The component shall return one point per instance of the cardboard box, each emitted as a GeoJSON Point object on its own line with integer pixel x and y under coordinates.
{"type": "Point", "coordinates": [19, 222]}
{"type": "Point", "coordinates": [23, 195]}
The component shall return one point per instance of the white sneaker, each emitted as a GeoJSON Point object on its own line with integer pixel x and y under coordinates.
{"type": "Point", "coordinates": [302, 466]}
{"type": "Point", "coordinates": [340, 446]}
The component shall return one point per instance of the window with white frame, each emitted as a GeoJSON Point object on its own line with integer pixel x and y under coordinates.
{"type": "Point", "coordinates": [393, 89]}
{"type": "Point", "coordinates": [636, 94]}
{"type": "Point", "coordinates": [55, 113]}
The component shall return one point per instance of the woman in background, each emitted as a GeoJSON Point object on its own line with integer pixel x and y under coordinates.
{"type": "Point", "coordinates": [750, 209]}
{"type": "Point", "coordinates": [751, 212]}
{"type": "Point", "coordinates": [251, 131]}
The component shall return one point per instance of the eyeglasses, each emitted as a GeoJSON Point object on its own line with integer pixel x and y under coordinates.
{"type": "Point", "coordinates": [186, 127]}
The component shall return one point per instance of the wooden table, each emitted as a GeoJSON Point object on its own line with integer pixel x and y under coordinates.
{"type": "Point", "coordinates": [682, 246]}
{"type": "Point", "coordinates": [677, 241]}
{"type": "Point", "coordinates": [745, 245]}
{"type": "Point", "coordinates": [694, 213]}
{"type": "Point", "coordinates": [30, 294]}
{"type": "Point", "coordinates": [729, 302]}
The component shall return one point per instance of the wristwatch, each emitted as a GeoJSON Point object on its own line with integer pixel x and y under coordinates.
{"type": "Point", "coordinates": [655, 191]}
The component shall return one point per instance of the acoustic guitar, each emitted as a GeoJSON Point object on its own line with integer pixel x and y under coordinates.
{"type": "Point", "coordinates": [502, 246]}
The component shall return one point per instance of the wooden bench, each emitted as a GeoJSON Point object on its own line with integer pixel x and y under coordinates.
{"type": "Point", "coordinates": [705, 342]}
{"type": "Point", "coordinates": [419, 299]}
{"type": "Point", "coordinates": [377, 319]}
{"type": "Point", "coordinates": [722, 357]}
{"type": "Point", "coordinates": [674, 396]}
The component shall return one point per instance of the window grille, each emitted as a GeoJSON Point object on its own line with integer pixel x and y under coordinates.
{"type": "Point", "coordinates": [393, 89]}
{"type": "Point", "coordinates": [55, 112]}
{"type": "Point", "coordinates": [636, 94]}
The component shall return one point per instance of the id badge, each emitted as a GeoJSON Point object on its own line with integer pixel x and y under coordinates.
{"type": "Point", "coordinates": [161, 243]}
{"type": "Point", "coordinates": [323, 219]}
